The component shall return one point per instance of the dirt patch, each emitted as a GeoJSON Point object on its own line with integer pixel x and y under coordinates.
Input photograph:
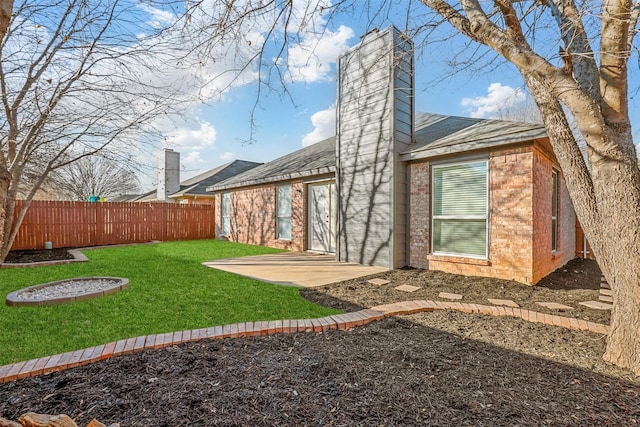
{"type": "Point", "coordinates": [22, 257]}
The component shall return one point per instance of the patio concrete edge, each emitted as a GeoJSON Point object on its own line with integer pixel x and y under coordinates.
{"type": "Point", "coordinates": [71, 359]}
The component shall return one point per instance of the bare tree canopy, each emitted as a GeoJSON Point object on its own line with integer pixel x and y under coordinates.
{"type": "Point", "coordinates": [78, 78]}
{"type": "Point", "coordinates": [574, 60]}
{"type": "Point", "coordinates": [93, 176]}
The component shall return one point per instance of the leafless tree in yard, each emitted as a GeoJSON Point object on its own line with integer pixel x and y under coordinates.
{"type": "Point", "coordinates": [76, 78]}
{"type": "Point", "coordinates": [93, 176]}
{"type": "Point", "coordinates": [573, 58]}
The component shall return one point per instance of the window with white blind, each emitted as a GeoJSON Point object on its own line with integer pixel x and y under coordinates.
{"type": "Point", "coordinates": [460, 206]}
{"type": "Point", "coordinates": [554, 211]}
{"type": "Point", "coordinates": [283, 202]}
{"type": "Point", "coordinates": [226, 214]}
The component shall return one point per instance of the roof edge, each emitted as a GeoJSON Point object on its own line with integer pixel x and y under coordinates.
{"type": "Point", "coordinates": [277, 178]}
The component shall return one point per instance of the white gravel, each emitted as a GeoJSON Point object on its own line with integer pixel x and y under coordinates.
{"type": "Point", "coordinates": [69, 288]}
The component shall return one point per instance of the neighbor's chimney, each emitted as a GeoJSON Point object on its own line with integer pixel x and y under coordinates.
{"type": "Point", "coordinates": [168, 174]}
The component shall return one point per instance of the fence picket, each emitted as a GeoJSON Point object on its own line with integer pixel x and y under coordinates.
{"type": "Point", "coordinates": [79, 224]}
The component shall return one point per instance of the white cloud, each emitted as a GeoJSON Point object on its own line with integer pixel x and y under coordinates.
{"type": "Point", "coordinates": [498, 98]}
{"type": "Point", "coordinates": [227, 156]}
{"type": "Point", "coordinates": [203, 135]}
{"type": "Point", "coordinates": [311, 59]}
{"type": "Point", "coordinates": [191, 159]}
{"type": "Point", "coordinates": [324, 123]}
{"type": "Point", "coordinates": [159, 18]}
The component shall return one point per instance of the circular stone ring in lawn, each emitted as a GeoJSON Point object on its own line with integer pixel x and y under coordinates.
{"type": "Point", "coordinates": [68, 290]}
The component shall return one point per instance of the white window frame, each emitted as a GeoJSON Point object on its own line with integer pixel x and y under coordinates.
{"type": "Point", "coordinates": [484, 217]}
{"type": "Point", "coordinates": [555, 199]}
{"type": "Point", "coordinates": [225, 214]}
{"type": "Point", "coordinates": [280, 216]}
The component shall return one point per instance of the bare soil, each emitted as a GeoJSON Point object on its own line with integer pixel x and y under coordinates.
{"type": "Point", "coordinates": [442, 368]}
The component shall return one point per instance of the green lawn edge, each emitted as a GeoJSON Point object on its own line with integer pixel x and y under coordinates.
{"type": "Point", "coordinates": [169, 290]}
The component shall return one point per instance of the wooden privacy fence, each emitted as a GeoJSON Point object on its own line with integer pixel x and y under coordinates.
{"type": "Point", "coordinates": [79, 224]}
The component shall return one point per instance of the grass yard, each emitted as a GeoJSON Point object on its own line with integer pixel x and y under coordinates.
{"type": "Point", "coordinates": [169, 290]}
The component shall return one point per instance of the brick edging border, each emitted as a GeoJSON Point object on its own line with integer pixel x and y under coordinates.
{"type": "Point", "coordinates": [71, 359]}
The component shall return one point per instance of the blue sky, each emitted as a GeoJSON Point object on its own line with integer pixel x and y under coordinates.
{"type": "Point", "coordinates": [215, 132]}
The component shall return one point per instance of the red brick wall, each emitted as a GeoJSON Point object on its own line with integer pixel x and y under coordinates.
{"type": "Point", "coordinates": [510, 222]}
{"type": "Point", "coordinates": [516, 233]}
{"type": "Point", "coordinates": [511, 186]}
{"type": "Point", "coordinates": [545, 261]}
{"type": "Point", "coordinates": [253, 216]}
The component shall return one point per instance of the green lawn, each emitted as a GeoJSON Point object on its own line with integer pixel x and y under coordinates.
{"type": "Point", "coordinates": [169, 290]}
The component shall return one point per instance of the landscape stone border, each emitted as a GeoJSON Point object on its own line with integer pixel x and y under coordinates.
{"type": "Point", "coordinates": [118, 284]}
{"type": "Point", "coordinates": [71, 359]}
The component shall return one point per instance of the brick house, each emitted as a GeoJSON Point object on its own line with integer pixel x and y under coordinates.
{"type": "Point", "coordinates": [396, 188]}
{"type": "Point", "coordinates": [190, 191]}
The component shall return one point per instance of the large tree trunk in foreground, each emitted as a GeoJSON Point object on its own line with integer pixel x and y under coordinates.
{"type": "Point", "coordinates": [607, 201]}
{"type": "Point", "coordinates": [606, 194]}
{"type": "Point", "coordinates": [617, 249]}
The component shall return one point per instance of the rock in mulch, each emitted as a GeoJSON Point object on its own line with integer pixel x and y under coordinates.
{"type": "Point", "coordinates": [31, 419]}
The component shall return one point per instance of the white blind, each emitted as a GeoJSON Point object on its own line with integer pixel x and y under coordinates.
{"type": "Point", "coordinates": [226, 214]}
{"type": "Point", "coordinates": [460, 206]}
{"type": "Point", "coordinates": [283, 202]}
{"type": "Point", "coordinates": [460, 190]}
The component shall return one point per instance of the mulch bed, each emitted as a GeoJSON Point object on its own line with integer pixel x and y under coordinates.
{"type": "Point", "coordinates": [442, 368]}
{"type": "Point", "coordinates": [22, 257]}
{"type": "Point", "coordinates": [391, 372]}
{"type": "Point", "coordinates": [576, 282]}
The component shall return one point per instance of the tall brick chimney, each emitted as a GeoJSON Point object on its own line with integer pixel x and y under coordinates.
{"type": "Point", "coordinates": [168, 174]}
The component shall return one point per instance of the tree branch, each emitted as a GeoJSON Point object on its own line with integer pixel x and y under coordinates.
{"type": "Point", "coordinates": [577, 49]}
{"type": "Point", "coordinates": [616, 18]}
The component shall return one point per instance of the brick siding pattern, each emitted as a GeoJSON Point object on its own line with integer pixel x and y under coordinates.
{"type": "Point", "coordinates": [253, 216]}
{"type": "Point", "coordinates": [544, 261]}
{"type": "Point", "coordinates": [519, 220]}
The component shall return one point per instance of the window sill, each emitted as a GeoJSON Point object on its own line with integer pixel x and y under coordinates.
{"type": "Point", "coordinates": [459, 260]}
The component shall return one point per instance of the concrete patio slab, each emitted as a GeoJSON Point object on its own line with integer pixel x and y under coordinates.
{"type": "Point", "coordinates": [503, 302]}
{"type": "Point", "coordinates": [295, 268]}
{"type": "Point", "coordinates": [449, 295]}
{"type": "Point", "coordinates": [555, 306]}
{"type": "Point", "coordinates": [407, 288]}
{"type": "Point", "coordinates": [598, 305]}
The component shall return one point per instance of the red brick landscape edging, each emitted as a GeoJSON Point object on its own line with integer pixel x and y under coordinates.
{"type": "Point", "coordinates": [59, 362]}
{"type": "Point", "coordinates": [420, 306]}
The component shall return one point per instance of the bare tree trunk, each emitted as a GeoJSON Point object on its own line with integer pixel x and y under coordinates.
{"type": "Point", "coordinates": [5, 181]}
{"type": "Point", "coordinates": [6, 7]}
{"type": "Point", "coordinates": [617, 248]}
{"type": "Point", "coordinates": [607, 202]}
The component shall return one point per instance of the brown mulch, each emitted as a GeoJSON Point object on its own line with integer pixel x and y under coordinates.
{"type": "Point", "coordinates": [22, 257]}
{"type": "Point", "coordinates": [442, 368]}
{"type": "Point", "coordinates": [576, 282]}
